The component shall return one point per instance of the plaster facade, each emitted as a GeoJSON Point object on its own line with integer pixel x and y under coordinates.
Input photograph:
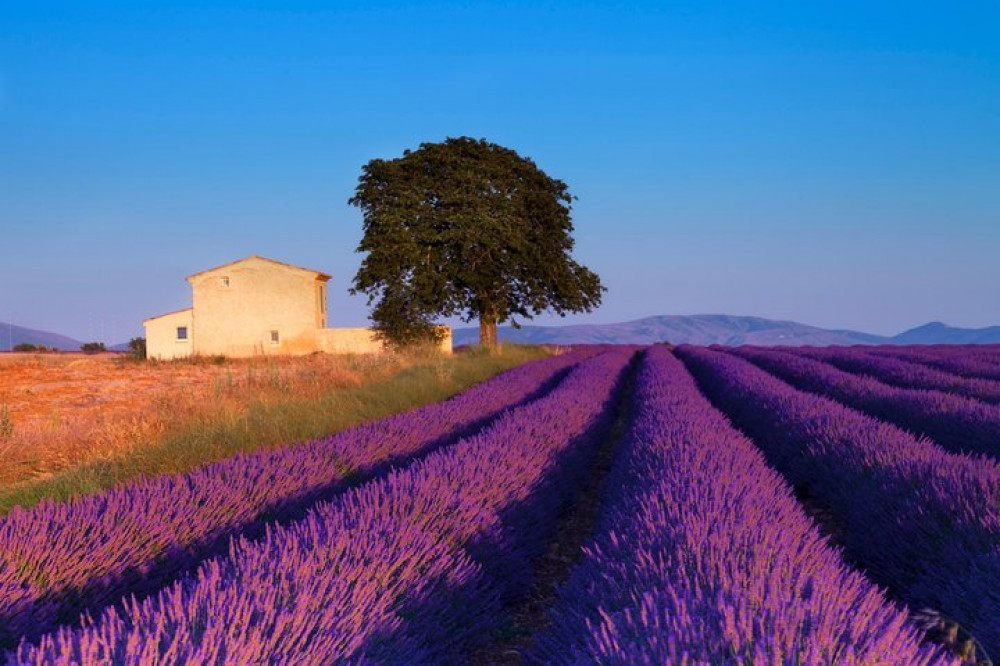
{"type": "Point", "coordinates": [169, 336]}
{"type": "Point", "coordinates": [256, 306]}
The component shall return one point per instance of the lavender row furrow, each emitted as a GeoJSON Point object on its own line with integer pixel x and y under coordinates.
{"type": "Point", "coordinates": [921, 520]}
{"type": "Point", "coordinates": [59, 559]}
{"type": "Point", "coordinates": [410, 568]}
{"type": "Point", "coordinates": [964, 362]}
{"type": "Point", "coordinates": [956, 423]}
{"type": "Point", "coordinates": [703, 555]}
{"type": "Point", "coordinates": [904, 374]}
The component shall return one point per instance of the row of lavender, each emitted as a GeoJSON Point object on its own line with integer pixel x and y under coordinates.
{"type": "Point", "coordinates": [973, 361]}
{"type": "Point", "coordinates": [57, 560]}
{"type": "Point", "coordinates": [409, 568]}
{"type": "Point", "coordinates": [956, 422]}
{"type": "Point", "coordinates": [699, 593]}
{"type": "Point", "coordinates": [902, 373]}
{"type": "Point", "coordinates": [703, 555]}
{"type": "Point", "coordinates": [920, 519]}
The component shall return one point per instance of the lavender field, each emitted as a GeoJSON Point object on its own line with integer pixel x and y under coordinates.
{"type": "Point", "coordinates": [610, 505]}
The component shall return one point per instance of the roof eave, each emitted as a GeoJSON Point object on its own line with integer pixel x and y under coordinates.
{"type": "Point", "coordinates": [319, 275]}
{"type": "Point", "coordinates": [167, 314]}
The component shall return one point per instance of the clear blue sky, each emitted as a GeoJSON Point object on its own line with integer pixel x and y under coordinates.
{"type": "Point", "coordinates": [836, 163]}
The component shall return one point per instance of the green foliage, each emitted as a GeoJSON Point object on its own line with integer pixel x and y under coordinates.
{"type": "Point", "coordinates": [467, 228]}
{"type": "Point", "coordinates": [137, 348]}
{"type": "Point", "coordinates": [28, 347]}
{"type": "Point", "coordinates": [92, 347]}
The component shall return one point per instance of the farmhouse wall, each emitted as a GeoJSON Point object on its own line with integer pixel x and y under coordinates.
{"type": "Point", "coordinates": [162, 339]}
{"type": "Point", "coordinates": [257, 307]}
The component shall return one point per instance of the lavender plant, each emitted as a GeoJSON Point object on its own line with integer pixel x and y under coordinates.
{"type": "Point", "coordinates": [409, 568]}
{"type": "Point", "coordinates": [875, 363]}
{"type": "Point", "coordinates": [59, 559]}
{"type": "Point", "coordinates": [921, 520]}
{"type": "Point", "coordinates": [971, 361]}
{"type": "Point", "coordinates": [957, 423]}
{"type": "Point", "coordinates": [703, 555]}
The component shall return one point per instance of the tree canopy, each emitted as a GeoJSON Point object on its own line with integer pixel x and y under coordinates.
{"type": "Point", "coordinates": [468, 228]}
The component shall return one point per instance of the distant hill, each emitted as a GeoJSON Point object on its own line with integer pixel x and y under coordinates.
{"type": "Point", "coordinates": [678, 329]}
{"type": "Point", "coordinates": [11, 335]}
{"type": "Point", "coordinates": [936, 333]}
{"type": "Point", "coordinates": [725, 330]}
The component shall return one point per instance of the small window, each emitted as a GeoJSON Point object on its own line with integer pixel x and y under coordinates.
{"type": "Point", "coordinates": [182, 332]}
{"type": "Point", "coordinates": [274, 337]}
{"type": "Point", "coordinates": [224, 280]}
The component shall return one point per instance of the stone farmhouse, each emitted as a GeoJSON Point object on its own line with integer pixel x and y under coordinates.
{"type": "Point", "coordinates": [252, 307]}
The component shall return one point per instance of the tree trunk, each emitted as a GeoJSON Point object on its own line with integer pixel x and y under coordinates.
{"type": "Point", "coordinates": [488, 330]}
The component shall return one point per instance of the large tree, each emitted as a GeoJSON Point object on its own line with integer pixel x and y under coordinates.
{"type": "Point", "coordinates": [466, 227]}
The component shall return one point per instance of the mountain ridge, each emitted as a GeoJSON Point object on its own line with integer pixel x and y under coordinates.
{"type": "Point", "coordinates": [707, 329]}
{"type": "Point", "coordinates": [704, 329]}
{"type": "Point", "coordinates": [935, 330]}
{"type": "Point", "coordinates": [12, 335]}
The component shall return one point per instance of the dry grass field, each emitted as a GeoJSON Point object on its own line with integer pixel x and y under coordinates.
{"type": "Point", "coordinates": [76, 423]}
{"type": "Point", "coordinates": [66, 409]}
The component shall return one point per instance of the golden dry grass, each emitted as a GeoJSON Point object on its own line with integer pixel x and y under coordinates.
{"type": "Point", "coordinates": [84, 423]}
{"type": "Point", "coordinates": [68, 409]}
